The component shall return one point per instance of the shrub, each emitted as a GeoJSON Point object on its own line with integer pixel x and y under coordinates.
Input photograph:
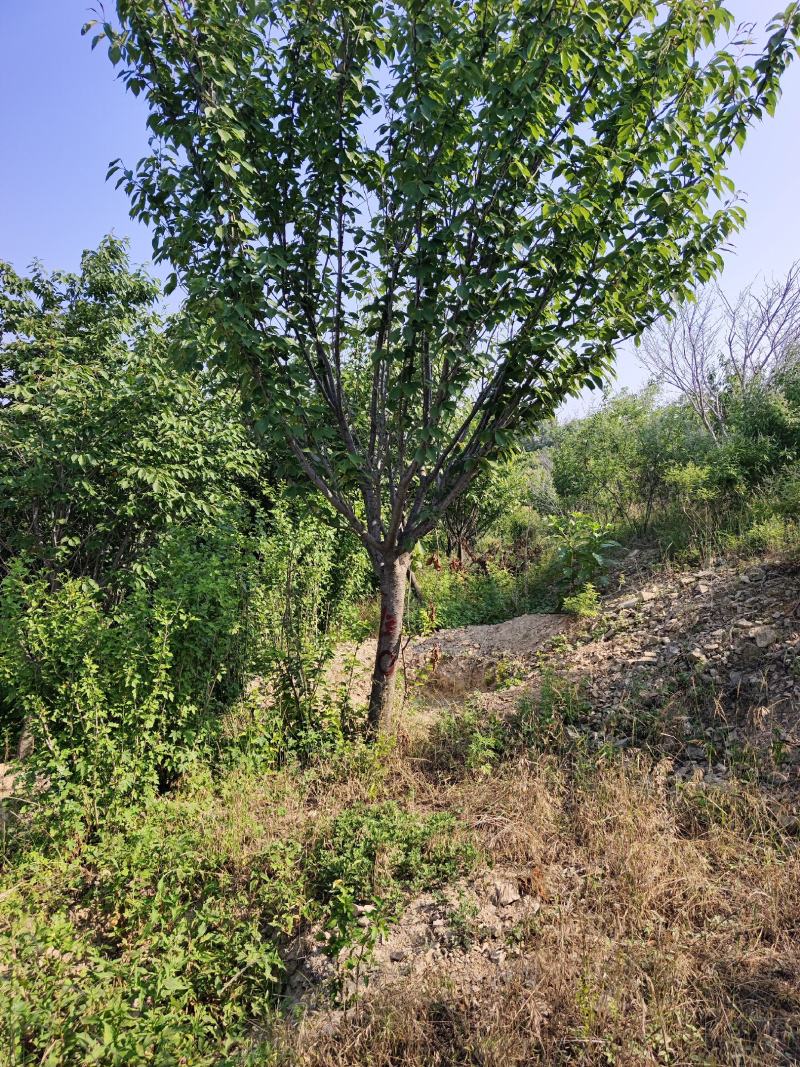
{"type": "Point", "coordinates": [163, 939]}
{"type": "Point", "coordinates": [120, 701]}
{"type": "Point", "coordinates": [583, 545]}
{"type": "Point", "coordinates": [156, 943]}
{"type": "Point", "coordinates": [372, 855]}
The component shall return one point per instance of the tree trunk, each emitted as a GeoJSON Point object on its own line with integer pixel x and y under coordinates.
{"type": "Point", "coordinates": [394, 574]}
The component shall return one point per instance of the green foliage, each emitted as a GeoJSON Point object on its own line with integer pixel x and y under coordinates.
{"type": "Point", "coordinates": [583, 547]}
{"type": "Point", "coordinates": [380, 210]}
{"type": "Point", "coordinates": [655, 469]}
{"type": "Point", "coordinates": [585, 603]}
{"type": "Point", "coordinates": [372, 855]}
{"type": "Point", "coordinates": [476, 597]}
{"type": "Point", "coordinates": [155, 944]}
{"type": "Point", "coordinates": [469, 738]}
{"type": "Point", "coordinates": [143, 578]}
{"type": "Point", "coordinates": [497, 492]}
{"type": "Point", "coordinates": [162, 939]}
{"type": "Point", "coordinates": [614, 462]}
{"type": "Point", "coordinates": [307, 578]}
{"type": "Point", "coordinates": [104, 446]}
{"type": "Point", "coordinates": [120, 701]}
{"type": "Point", "coordinates": [695, 493]}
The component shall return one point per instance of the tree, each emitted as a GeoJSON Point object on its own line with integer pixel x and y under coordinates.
{"type": "Point", "coordinates": [613, 462]}
{"type": "Point", "coordinates": [494, 491]}
{"type": "Point", "coordinates": [382, 208]}
{"type": "Point", "coordinates": [105, 449]}
{"type": "Point", "coordinates": [710, 345]}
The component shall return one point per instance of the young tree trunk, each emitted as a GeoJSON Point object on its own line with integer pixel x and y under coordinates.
{"type": "Point", "coordinates": [394, 574]}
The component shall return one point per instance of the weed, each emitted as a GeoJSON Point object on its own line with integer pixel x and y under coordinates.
{"type": "Point", "coordinates": [585, 603]}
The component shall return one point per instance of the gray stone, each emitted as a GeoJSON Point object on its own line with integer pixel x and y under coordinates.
{"type": "Point", "coordinates": [764, 636]}
{"type": "Point", "coordinates": [505, 892]}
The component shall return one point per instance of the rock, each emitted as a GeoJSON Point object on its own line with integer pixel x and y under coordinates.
{"type": "Point", "coordinates": [505, 892]}
{"type": "Point", "coordinates": [646, 658]}
{"type": "Point", "coordinates": [398, 955]}
{"type": "Point", "coordinates": [649, 594]}
{"type": "Point", "coordinates": [756, 574]}
{"type": "Point", "coordinates": [764, 636]}
{"type": "Point", "coordinates": [749, 654]}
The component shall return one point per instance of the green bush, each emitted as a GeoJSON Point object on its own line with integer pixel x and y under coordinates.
{"type": "Point", "coordinates": [583, 547]}
{"type": "Point", "coordinates": [476, 597]}
{"type": "Point", "coordinates": [105, 445]}
{"type": "Point", "coordinates": [120, 701]}
{"type": "Point", "coordinates": [613, 463]}
{"type": "Point", "coordinates": [308, 578]}
{"type": "Point", "coordinates": [155, 944]}
{"type": "Point", "coordinates": [374, 855]}
{"type": "Point", "coordinates": [585, 603]}
{"type": "Point", "coordinates": [144, 572]}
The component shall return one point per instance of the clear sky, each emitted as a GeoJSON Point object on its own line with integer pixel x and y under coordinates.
{"type": "Point", "coordinates": [63, 117]}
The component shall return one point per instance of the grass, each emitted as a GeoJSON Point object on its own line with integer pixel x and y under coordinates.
{"type": "Point", "coordinates": [667, 934]}
{"type": "Point", "coordinates": [667, 929]}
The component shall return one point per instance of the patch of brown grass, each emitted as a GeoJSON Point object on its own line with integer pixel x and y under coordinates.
{"type": "Point", "coordinates": [668, 934]}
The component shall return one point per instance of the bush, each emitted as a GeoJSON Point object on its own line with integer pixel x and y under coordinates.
{"type": "Point", "coordinates": [307, 579]}
{"type": "Point", "coordinates": [373, 855]}
{"type": "Point", "coordinates": [105, 445]}
{"type": "Point", "coordinates": [144, 574]}
{"type": "Point", "coordinates": [613, 463]}
{"type": "Point", "coordinates": [585, 603]}
{"type": "Point", "coordinates": [120, 701]}
{"type": "Point", "coordinates": [154, 945]}
{"type": "Point", "coordinates": [583, 547]}
{"type": "Point", "coordinates": [479, 597]}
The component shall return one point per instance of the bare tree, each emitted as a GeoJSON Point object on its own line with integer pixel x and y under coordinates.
{"type": "Point", "coordinates": [713, 343]}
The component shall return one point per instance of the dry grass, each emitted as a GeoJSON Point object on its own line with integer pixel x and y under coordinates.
{"type": "Point", "coordinates": [669, 933]}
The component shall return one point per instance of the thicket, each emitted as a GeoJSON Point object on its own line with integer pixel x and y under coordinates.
{"type": "Point", "coordinates": [150, 565]}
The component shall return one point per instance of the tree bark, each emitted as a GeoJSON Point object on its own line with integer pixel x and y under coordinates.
{"type": "Point", "coordinates": [393, 578]}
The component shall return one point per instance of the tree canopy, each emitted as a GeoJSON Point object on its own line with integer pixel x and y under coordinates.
{"type": "Point", "coordinates": [382, 208]}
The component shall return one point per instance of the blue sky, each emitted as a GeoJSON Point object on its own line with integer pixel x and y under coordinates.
{"type": "Point", "coordinates": [63, 117]}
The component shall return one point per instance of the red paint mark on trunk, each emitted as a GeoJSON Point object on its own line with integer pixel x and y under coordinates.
{"type": "Point", "coordinates": [387, 657]}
